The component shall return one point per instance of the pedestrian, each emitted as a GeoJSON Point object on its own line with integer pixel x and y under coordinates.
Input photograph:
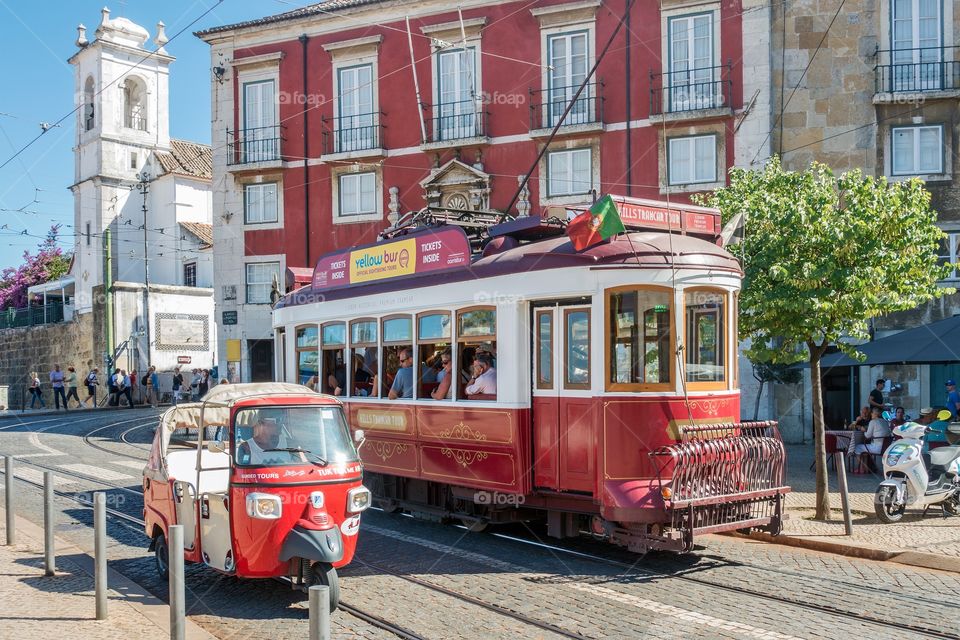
{"type": "Point", "coordinates": [35, 392]}
{"type": "Point", "coordinates": [204, 382]}
{"type": "Point", "coordinates": [92, 383]}
{"type": "Point", "coordinates": [125, 388]}
{"type": "Point", "coordinates": [875, 401]}
{"type": "Point", "coordinates": [136, 390]}
{"type": "Point", "coordinates": [71, 382]}
{"type": "Point", "coordinates": [115, 392]}
{"type": "Point", "coordinates": [177, 384]}
{"type": "Point", "coordinates": [56, 381]}
{"type": "Point", "coordinates": [195, 385]}
{"type": "Point", "coordinates": [151, 382]}
{"type": "Point", "coordinates": [953, 399]}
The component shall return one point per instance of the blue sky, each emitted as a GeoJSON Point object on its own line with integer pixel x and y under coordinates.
{"type": "Point", "coordinates": [36, 39]}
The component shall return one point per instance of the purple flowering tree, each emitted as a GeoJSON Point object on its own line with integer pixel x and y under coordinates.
{"type": "Point", "coordinates": [49, 263]}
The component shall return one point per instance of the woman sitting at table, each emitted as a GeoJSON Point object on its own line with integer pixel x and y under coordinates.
{"type": "Point", "coordinates": [873, 437]}
{"type": "Point", "coordinates": [861, 422]}
{"type": "Point", "coordinates": [899, 419]}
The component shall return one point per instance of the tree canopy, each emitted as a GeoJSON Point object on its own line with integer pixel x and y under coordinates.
{"type": "Point", "coordinates": [49, 263]}
{"type": "Point", "coordinates": [822, 255]}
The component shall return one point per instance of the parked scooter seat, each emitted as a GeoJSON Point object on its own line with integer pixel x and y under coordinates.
{"type": "Point", "coordinates": [942, 456]}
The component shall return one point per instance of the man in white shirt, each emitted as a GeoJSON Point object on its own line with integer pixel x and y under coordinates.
{"type": "Point", "coordinates": [484, 380]}
{"type": "Point", "coordinates": [266, 436]}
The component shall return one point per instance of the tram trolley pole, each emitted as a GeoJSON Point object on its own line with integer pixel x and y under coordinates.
{"type": "Point", "coordinates": [49, 547]}
{"type": "Point", "coordinates": [844, 494]}
{"type": "Point", "coordinates": [177, 592]}
{"type": "Point", "coordinates": [8, 500]}
{"type": "Point", "coordinates": [319, 595]}
{"type": "Point", "coordinates": [100, 552]}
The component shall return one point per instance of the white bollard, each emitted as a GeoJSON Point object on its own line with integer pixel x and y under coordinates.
{"type": "Point", "coordinates": [177, 590]}
{"type": "Point", "coordinates": [100, 553]}
{"type": "Point", "coordinates": [8, 499]}
{"type": "Point", "coordinates": [319, 596]}
{"type": "Point", "coordinates": [49, 553]}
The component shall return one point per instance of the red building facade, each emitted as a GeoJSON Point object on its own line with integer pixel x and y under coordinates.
{"type": "Point", "coordinates": [331, 121]}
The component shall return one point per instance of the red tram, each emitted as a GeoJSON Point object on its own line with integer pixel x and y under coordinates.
{"type": "Point", "coordinates": [615, 404]}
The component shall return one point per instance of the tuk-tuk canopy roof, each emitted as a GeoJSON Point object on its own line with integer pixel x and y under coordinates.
{"type": "Point", "coordinates": [228, 394]}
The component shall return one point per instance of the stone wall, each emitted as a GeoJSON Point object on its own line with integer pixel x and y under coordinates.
{"type": "Point", "coordinates": [38, 348]}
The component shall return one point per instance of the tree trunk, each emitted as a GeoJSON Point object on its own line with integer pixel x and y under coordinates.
{"type": "Point", "coordinates": [820, 451]}
{"type": "Point", "coordinates": [756, 407]}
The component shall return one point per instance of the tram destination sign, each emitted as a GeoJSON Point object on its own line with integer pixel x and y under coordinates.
{"type": "Point", "coordinates": [426, 252]}
{"type": "Point", "coordinates": [637, 213]}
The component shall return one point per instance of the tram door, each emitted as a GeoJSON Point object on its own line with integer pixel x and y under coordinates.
{"type": "Point", "coordinates": [563, 424]}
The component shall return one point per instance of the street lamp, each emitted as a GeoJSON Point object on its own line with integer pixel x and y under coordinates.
{"type": "Point", "coordinates": [143, 186]}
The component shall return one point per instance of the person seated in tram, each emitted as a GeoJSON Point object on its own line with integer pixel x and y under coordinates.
{"type": "Point", "coordinates": [337, 381]}
{"type": "Point", "coordinates": [444, 378]}
{"type": "Point", "coordinates": [484, 380]}
{"type": "Point", "coordinates": [361, 377]}
{"type": "Point", "coordinates": [467, 359]}
{"type": "Point", "coordinates": [267, 435]}
{"type": "Point", "coordinates": [444, 363]}
{"type": "Point", "coordinates": [402, 386]}
{"type": "Point", "coordinates": [429, 369]}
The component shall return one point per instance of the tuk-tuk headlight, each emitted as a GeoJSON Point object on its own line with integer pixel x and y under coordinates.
{"type": "Point", "coordinates": [264, 506]}
{"type": "Point", "coordinates": [358, 499]}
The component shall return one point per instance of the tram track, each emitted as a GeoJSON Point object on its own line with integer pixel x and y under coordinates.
{"type": "Point", "coordinates": [87, 439]}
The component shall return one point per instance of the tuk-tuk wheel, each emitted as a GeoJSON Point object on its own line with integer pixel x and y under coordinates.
{"type": "Point", "coordinates": [323, 573]}
{"type": "Point", "coordinates": [161, 552]}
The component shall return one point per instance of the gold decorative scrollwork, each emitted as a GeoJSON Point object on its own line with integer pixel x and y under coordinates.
{"type": "Point", "coordinates": [462, 431]}
{"type": "Point", "coordinates": [464, 458]}
{"type": "Point", "coordinates": [711, 407]}
{"type": "Point", "coordinates": [386, 450]}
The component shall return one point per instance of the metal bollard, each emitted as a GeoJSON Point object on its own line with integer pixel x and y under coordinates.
{"type": "Point", "coordinates": [8, 499]}
{"type": "Point", "coordinates": [177, 591]}
{"type": "Point", "coordinates": [100, 552]}
{"type": "Point", "coordinates": [49, 554]}
{"type": "Point", "coordinates": [844, 494]}
{"type": "Point", "coordinates": [319, 595]}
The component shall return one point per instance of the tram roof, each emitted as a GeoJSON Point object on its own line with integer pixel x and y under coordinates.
{"type": "Point", "coordinates": [647, 250]}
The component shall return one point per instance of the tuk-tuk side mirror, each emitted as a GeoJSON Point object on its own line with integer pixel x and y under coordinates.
{"type": "Point", "coordinates": [359, 436]}
{"type": "Point", "coordinates": [215, 446]}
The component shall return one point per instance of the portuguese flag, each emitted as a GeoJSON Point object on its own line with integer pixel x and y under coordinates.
{"type": "Point", "coordinates": [597, 224]}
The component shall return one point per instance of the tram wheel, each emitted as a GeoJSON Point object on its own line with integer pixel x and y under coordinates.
{"type": "Point", "coordinates": [161, 553]}
{"type": "Point", "coordinates": [389, 506]}
{"type": "Point", "coordinates": [323, 573]}
{"type": "Point", "coordinates": [474, 526]}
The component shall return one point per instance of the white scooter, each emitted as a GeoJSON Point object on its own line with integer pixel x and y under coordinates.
{"type": "Point", "coordinates": [917, 479]}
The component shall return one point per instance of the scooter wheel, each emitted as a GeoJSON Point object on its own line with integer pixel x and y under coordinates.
{"type": "Point", "coordinates": [883, 505]}
{"type": "Point", "coordinates": [323, 573]}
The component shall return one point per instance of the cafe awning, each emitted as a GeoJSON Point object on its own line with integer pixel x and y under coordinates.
{"type": "Point", "coordinates": [934, 343]}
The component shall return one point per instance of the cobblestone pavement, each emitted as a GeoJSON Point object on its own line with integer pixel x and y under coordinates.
{"type": "Point", "coordinates": [722, 590]}
{"type": "Point", "coordinates": [931, 534]}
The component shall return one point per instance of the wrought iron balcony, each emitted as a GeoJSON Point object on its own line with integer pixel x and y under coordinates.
{"type": "Point", "coordinates": [547, 106]}
{"type": "Point", "coordinates": [259, 144]}
{"type": "Point", "coordinates": [918, 70]}
{"type": "Point", "coordinates": [346, 134]}
{"type": "Point", "coordinates": [691, 90]}
{"type": "Point", "coordinates": [130, 121]}
{"type": "Point", "coordinates": [456, 121]}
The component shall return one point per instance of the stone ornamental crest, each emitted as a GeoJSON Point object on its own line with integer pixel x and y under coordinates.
{"type": "Point", "coordinates": [457, 185]}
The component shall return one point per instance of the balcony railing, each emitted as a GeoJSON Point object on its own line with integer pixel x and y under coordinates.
{"type": "Point", "coordinates": [547, 106]}
{"type": "Point", "coordinates": [457, 121]}
{"type": "Point", "coordinates": [917, 70]}
{"type": "Point", "coordinates": [31, 316]}
{"type": "Point", "coordinates": [690, 90]}
{"type": "Point", "coordinates": [259, 144]}
{"type": "Point", "coordinates": [345, 134]}
{"type": "Point", "coordinates": [133, 121]}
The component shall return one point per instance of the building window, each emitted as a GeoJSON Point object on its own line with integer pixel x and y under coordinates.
{"type": "Point", "coordinates": [260, 139]}
{"type": "Point", "coordinates": [190, 274]}
{"type": "Point", "coordinates": [456, 115]}
{"type": "Point", "coordinates": [134, 104]}
{"type": "Point", "coordinates": [355, 126]}
{"type": "Point", "coordinates": [358, 194]}
{"type": "Point", "coordinates": [640, 339]}
{"type": "Point", "coordinates": [568, 54]}
{"type": "Point", "coordinates": [692, 159]}
{"type": "Point", "coordinates": [690, 80]}
{"type": "Point", "coordinates": [260, 279]}
{"type": "Point", "coordinates": [260, 203]}
{"type": "Point", "coordinates": [569, 172]}
{"type": "Point", "coordinates": [89, 119]}
{"type": "Point", "coordinates": [705, 337]}
{"type": "Point", "coordinates": [917, 150]}
{"type": "Point", "coordinates": [88, 234]}
{"type": "Point", "coordinates": [917, 51]}
{"type": "Point", "coordinates": [951, 254]}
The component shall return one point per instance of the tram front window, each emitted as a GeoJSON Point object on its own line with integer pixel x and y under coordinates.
{"type": "Point", "coordinates": [640, 337]}
{"type": "Point", "coordinates": [292, 436]}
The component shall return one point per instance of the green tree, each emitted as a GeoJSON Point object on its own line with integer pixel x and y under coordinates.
{"type": "Point", "coordinates": [822, 255]}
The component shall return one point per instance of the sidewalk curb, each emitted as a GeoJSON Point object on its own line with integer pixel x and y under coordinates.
{"type": "Point", "coordinates": [910, 558]}
{"type": "Point", "coordinates": [120, 587]}
{"type": "Point", "coordinates": [16, 413]}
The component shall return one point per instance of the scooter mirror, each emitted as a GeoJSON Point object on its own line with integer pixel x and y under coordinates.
{"type": "Point", "coordinates": [944, 415]}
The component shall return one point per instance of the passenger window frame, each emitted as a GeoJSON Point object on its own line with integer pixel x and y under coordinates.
{"type": "Point", "coordinates": [723, 340]}
{"type": "Point", "coordinates": [608, 383]}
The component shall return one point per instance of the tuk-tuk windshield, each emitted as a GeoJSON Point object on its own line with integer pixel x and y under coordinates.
{"type": "Point", "coordinates": [285, 436]}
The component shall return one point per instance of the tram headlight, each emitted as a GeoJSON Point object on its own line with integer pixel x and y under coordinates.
{"type": "Point", "coordinates": [264, 506]}
{"type": "Point", "coordinates": [358, 499]}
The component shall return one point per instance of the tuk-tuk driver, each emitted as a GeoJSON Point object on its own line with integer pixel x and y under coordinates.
{"type": "Point", "coordinates": [266, 435]}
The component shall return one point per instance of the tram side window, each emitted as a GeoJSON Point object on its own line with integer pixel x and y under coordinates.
{"type": "Point", "coordinates": [706, 331]}
{"type": "Point", "coordinates": [435, 356]}
{"type": "Point", "coordinates": [308, 364]}
{"type": "Point", "coordinates": [334, 341]}
{"type": "Point", "coordinates": [477, 353]}
{"type": "Point", "coordinates": [397, 357]}
{"type": "Point", "coordinates": [640, 337]}
{"type": "Point", "coordinates": [363, 358]}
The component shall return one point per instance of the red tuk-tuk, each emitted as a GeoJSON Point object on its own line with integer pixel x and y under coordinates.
{"type": "Point", "coordinates": [264, 479]}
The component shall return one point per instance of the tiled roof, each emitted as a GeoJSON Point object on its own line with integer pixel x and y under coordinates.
{"type": "Point", "coordinates": [318, 8]}
{"type": "Point", "coordinates": [187, 158]}
{"type": "Point", "coordinates": [204, 232]}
